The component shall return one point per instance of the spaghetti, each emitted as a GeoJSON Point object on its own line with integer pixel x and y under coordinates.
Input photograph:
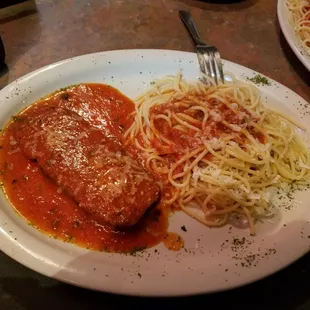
{"type": "Point", "coordinates": [300, 19]}
{"type": "Point", "coordinates": [216, 149]}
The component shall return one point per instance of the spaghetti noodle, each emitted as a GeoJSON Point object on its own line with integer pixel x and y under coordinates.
{"type": "Point", "coordinates": [300, 19]}
{"type": "Point", "coordinates": [216, 149]}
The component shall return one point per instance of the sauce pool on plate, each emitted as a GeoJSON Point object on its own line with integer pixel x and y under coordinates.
{"type": "Point", "coordinates": [50, 209]}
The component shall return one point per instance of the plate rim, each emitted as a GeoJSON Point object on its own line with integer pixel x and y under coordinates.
{"type": "Point", "coordinates": [290, 35]}
{"type": "Point", "coordinates": [37, 268]}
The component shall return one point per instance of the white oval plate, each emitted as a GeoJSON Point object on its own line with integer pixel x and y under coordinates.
{"type": "Point", "coordinates": [290, 36]}
{"type": "Point", "coordinates": [210, 262]}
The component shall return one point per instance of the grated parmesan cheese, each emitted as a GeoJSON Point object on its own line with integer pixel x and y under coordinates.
{"type": "Point", "coordinates": [302, 164]}
{"type": "Point", "coordinates": [215, 116]}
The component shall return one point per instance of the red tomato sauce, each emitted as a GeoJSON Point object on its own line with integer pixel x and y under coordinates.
{"type": "Point", "coordinates": [212, 129]}
{"type": "Point", "coordinates": [39, 200]}
{"type": "Point", "coordinates": [173, 241]}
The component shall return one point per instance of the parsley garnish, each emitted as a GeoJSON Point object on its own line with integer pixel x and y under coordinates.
{"type": "Point", "coordinates": [184, 228]}
{"type": "Point", "coordinates": [258, 79]}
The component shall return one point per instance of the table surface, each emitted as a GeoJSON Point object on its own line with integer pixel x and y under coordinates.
{"type": "Point", "coordinates": [37, 33]}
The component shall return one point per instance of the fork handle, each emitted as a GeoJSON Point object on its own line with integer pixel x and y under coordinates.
{"type": "Point", "coordinates": [188, 21]}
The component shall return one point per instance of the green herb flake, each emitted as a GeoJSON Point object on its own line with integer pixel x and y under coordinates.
{"type": "Point", "coordinates": [16, 118]}
{"type": "Point", "coordinates": [69, 87]}
{"type": "Point", "coordinates": [106, 249]}
{"type": "Point", "coordinates": [137, 249]}
{"type": "Point", "coordinates": [69, 238]}
{"type": "Point", "coordinates": [65, 96]}
{"type": "Point", "coordinates": [258, 79]}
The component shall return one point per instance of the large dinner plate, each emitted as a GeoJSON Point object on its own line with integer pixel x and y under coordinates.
{"type": "Point", "coordinates": [213, 259]}
{"type": "Point", "coordinates": [290, 36]}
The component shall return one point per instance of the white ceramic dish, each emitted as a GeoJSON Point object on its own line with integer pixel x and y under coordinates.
{"type": "Point", "coordinates": [211, 261]}
{"type": "Point", "coordinates": [290, 36]}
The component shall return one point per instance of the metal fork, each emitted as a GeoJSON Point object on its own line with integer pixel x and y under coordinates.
{"type": "Point", "coordinates": [208, 56]}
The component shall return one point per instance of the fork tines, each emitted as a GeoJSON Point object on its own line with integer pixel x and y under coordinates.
{"type": "Point", "coordinates": [210, 63]}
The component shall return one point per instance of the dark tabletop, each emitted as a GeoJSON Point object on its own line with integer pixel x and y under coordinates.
{"type": "Point", "coordinates": [37, 33]}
